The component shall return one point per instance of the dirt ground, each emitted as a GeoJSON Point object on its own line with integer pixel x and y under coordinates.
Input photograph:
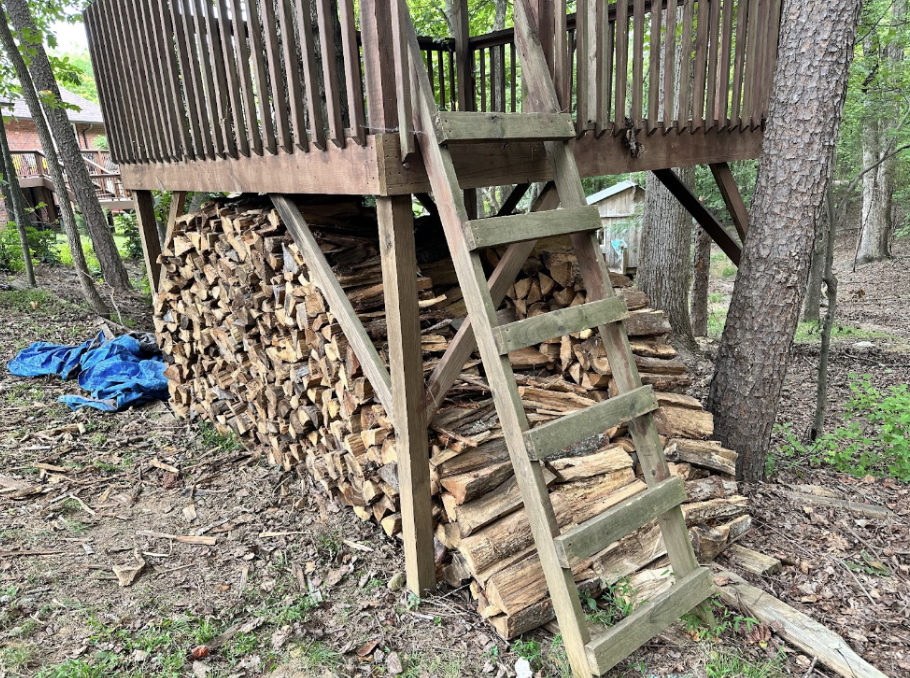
{"type": "Point", "coordinates": [247, 570]}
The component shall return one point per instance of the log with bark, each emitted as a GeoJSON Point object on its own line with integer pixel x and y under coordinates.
{"type": "Point", "coordinates": [255, 350]}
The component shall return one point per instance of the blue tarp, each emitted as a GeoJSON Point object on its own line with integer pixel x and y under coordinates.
{"type": "Point", "coordinates": [116, 373]}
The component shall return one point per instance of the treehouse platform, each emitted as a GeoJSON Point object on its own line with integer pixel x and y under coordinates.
{"type": "Point", "coordinates": [272, 321]}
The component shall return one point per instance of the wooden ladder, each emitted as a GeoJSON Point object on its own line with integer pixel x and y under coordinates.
{"type": "Point", "coordinates": [437, 130]}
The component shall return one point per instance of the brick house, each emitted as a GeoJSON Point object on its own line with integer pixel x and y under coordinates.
{"type": "Point", "coordinates": [87, 122]}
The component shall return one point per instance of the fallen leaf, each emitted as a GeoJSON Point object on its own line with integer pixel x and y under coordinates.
{"type": "Point", "coordinates": [199, 652]}
{"type": "Point", "coordinates": [367, 648]}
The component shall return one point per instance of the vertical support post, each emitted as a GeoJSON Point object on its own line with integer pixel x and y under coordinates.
{"type": "Point", "coordinates": [399, 277]}
{"type": "Point", "coordinates": [148, 231]}
{"type": "Point", "coordinates": [378, 63]}
{"type": "Point", "coordinates": [464, 63]}
{"type": "Point", "coordinates": [178, 206]}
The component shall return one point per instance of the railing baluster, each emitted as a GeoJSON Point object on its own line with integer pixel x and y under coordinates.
{"type": "Point", "coordinates": [153, 82]}
{"type": "Point", "coordinates": [110, 100]}
{"type": "Point", "coordinates": [404, 73]}
{"type": "Point", "coordinates": [352, 71]}
{"type": "Point", "coordinates": [670, 48]}
{"type": "Point", "coordinates": [685, 65]}
{"type": "Point", "coordinates": [117, 31]}
{"type": "Point", "coordinates": [483, 80]}
{"type": "Point", "coordinates": [229, 41]}
{"type": "Point", "coordinates": [742, 19]}
{"type": "Point", "coordinates": [138, 55]}
{"type": "Point", "coordinates": [254, 28]}
{"type": "Point", "coordinates": [253, 139]}
{"type": "Point", "coordinates": [176, 110]}
{"type": "Point", "coordinates": [190, 79]}
{"type": "Point", "coordinates": [217, 50]}
{"type": "Point", "coordinates": [701, 62]}
{"type": "Point", "coordinates": [638, 63]}
{"type": "Point", "coordinates": [513, 76]}
{"type": "Point", "coordinates": [755, 11]}
{"type": "Point", "coordinates": [310, 74]}
{"type": "Point", "coordinates": [605, 30]}
{"type": "Point", "coordinates": [561, 53]}
{"type": "Point", "coordinates": [713, 55]}
{"type": "Point", "coordinates": [771, 62]}
{"type": "Point", "coordinates": [722, 109]}
{"type": "Point", "coordinates": [277, 78]}
{"type": "Point", "coordinates": [292, 69]}
{"type": "Point", "coordinates": [622, 66]}
{"type": "Point", "coordinates": [200, 52]}
{"type": "Point", "coordinates": [330, 72]}
{"type": "Point", "coordinates": [654, 74]}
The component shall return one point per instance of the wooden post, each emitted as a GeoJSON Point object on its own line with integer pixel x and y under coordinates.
{"type": "Point", "coordinates": [148, 231]}
{"type": "Point", "coordinates": [464, 63]}
{"type": "Point", "coordinates": [378, 62]}
{"type": "Point", "coordinates": [732, 197]}
{"type": "Point", "coordinates": [399, 277]}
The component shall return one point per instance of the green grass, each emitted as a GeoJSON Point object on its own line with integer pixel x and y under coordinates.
{"type": "Point", "coordinates": [211, 438]}
{"type": "Point", "coordinates": [809, 333]}
{"type": "Point", "coordinates": [725, 665]}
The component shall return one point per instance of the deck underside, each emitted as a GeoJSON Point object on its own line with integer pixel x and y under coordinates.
{"type": "Point", "coordinates": [377, 168]}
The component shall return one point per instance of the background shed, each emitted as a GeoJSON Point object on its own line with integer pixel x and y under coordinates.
{"type": "Point", "coordinates": [620, 207]}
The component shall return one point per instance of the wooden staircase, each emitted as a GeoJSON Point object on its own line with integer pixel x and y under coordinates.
{"type": "Point", "coordinates": [528, 446]}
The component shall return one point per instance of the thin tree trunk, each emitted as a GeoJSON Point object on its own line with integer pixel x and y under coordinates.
{"type": "Point", "coordinates": [700, 278]}
{"type": "Point", "coordinates": [821, 391]}
{"type": "Point", "coordinates": [812, 303]}
{"type": "Point", "coordinates": [112, 267]}
{"type": "Point", "coordinates": [816, 47]}
{"type": "Point", "coordinates": [664, 253]}
{"type": "Point", "coordinates": [15, 203]}
{"type": "Point", "coordinates": [30, 95]}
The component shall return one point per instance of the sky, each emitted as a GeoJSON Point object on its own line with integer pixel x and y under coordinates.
{"type": "Point", "coordinates": [71, 37]}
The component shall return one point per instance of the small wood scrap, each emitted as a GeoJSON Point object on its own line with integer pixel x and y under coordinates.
{"type": "Point", "coordinates": [182, 539]}
{"type": "Point", "coordinates": [868, 510]}
{"type": "Point", "coordinates": [127, 574]}
{"type": "Point", "coordinates": [753, 561]}
{"type": "Point", "coordinates": [255, 349]}
{"type": "Point", "coordinates": [793, 626]}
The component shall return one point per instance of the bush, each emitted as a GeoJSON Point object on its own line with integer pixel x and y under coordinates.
{"type": "Point", "coordinates": [875, 440]}
{"type": "Point", "coordinates": [127, 225]}
{"type": "Point", "coordinates": [43, 246]}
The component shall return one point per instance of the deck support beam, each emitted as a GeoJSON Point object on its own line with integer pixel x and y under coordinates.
{"type": "Point", "coordinates": [148, 232]}
{"type": "Point", "coordinates": [733, 199]}
{"type": "Point", "coordinates": [700, 213]}
{"type": "Point", "coordinates": [399, 278]}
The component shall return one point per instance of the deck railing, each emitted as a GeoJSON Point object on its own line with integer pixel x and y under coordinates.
{"type": "Point", "coordinates": [104, 173]}
{"type": "Point", "coordinates": [206, 79]}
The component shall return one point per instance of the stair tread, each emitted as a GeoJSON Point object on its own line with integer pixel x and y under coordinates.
{"type": "Point", "coordinates": [583, 541]}
{"type": "Point", "coordinates": [618, 642]}
{"type": "Point", "coordinates": [559, 323]}
{"type": "Point", "coordinates": [494, 231]}
{"type": "Point", "coordinates": [470, 127]}
{"type": "Point", "coordinates": [550, 438]}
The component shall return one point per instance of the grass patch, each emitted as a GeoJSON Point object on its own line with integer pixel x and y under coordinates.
{"type": "Point", "coordinates": [725, 665]}
{"type": "Point", "coordinates": [223, 442]}
{"type": "Point", "coordinates": [810, 333]}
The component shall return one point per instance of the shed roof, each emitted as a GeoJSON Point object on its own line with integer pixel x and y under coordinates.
{"type": "Point", "coordinates": [89, 112]}
{"type": "Point", "coordinates": [616, 189]}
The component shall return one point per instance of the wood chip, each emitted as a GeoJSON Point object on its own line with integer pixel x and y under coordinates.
{"type": "Point", "coordinates": [164, 467]}
{"type": "Point", "coordinates": [188, 539]}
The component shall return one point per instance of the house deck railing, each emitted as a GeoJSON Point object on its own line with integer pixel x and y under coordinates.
{"type": "Point", "coordinates": [185, 80]}
{"type": "Point", "coordinates": [31, 165]}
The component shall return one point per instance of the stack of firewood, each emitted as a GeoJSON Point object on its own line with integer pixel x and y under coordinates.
{"type": "Point", "coordinates": [256, 351]}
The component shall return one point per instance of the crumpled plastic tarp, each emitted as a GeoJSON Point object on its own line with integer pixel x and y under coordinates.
{"type": "Point", "coordinates": [116, 373]}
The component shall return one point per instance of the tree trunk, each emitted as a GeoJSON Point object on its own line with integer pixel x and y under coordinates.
{"type": "Point", "coordinates": [30, 95]}
{"type": "Point", "coordinates": [816, 47]}
{"type": "Point", "coordinates": [664, 253]}
{"type": "Point", "coordinates": [878, 141]}
{"type": "Point", "coordinates": [821, 390]}
{"type": "Point", "coordinates": [812, 303]}
{"type": "Point", "coordinates": [700, 280]}
{"type": "Point", "coordinates": [43, 77]}
{"type": "Point", "coordinates": [15, 203]}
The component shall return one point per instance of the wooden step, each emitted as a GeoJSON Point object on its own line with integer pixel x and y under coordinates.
{"type": "Point", "coordinates": [473, 128]}
{"type": "Point", "coordinates": [547, 440]}
{"type": "Point", "coordinates": [611, 647]}
{"type": "Point", "coordinates": [531, 331]}
{"type": "Point", "coordinates": [612, 525]}
{"type": "Point", "coordinates": [533, 226]}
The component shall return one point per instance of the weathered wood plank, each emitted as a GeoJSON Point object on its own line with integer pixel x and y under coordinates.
{"type": "Point", "coordinates": [218, 49]}
{"type": "Point", "coordinates": [670, 73]}
{"type": "Point", "coordinates": [399, 275]}
{"type": "Point", "coordinates": [310, 75]}
{"type": "Point", "coordinates": [257, 53]}
{"type": "Point", "coordinates": [654, 74]}
{"type": "Point", "coordinates": [559, 323]}
{"type": "Point", "coordinates": [201, 51]}
{"type": "Point", "coordinates": [795, 627]}
{"type": "Point", "coordinates": [366, 353]}
{"type": "Point", "coordinates": [723, 176]}
{"type": "Point", "coordinates": [613, 524]}
{"type": "Point", "coordinates": [289, 52]}
{"type": "Point", "coordinates": [352, 79]}
{"type": "Point", "coordinates": [277, 78]}
{"type": "Point", "coordinates": [148, 232]}
{"type": "Point", "coordinates": [638, 62]}
{"type": "Point", "coordinates": [685, 113]}
{"type": "Point", "coordinates": [189, 72]}
{"type": "Point", "coordinates": [461, 128]}
{"type": "Point", "coordinates": [248, 138]}
{"type": "Point", "coordinates": [559, 434]}
{"type": "Point", "coordinates": [330, 72]}
{"type": "Point", "coordinates": [502, 230]}
{"type": "Point", "coordinates": [622, 66]}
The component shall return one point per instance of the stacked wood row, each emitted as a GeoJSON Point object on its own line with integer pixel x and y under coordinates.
{"type": "Point", "coordinates": [256, 351]}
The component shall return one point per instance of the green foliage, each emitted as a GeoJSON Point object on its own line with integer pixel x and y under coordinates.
{"type": "Point", "coordinates": [724, 622]}
{"type": "Point", "coordinates": [615, 604]}
{"type": "Point", "coordinates": [42, 244]}
{"type": "Point", "coordinates": [126, 224]}
{"type": "Point", "coordinates": [875, 439]}
{"type": "Point", "coordinates": [725, 665]}
{"type": "Point", "coordinates": [211, 438]}
{"type": "Point", "coordinates": [530, 650]}
{"type": "Point", "coordinates": [100, 143]}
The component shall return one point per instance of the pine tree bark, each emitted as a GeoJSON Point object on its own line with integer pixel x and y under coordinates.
{"type": "Point", "coordinates": [816, 48]}
{"type": "Point", "coordinates": [112, 267]}
{"type": "Point", "coordinates": [701, 276]}
{"type": "Point", "coordinates": [30, 95]}
{"type": "Point", "coordinates": [664, 253]}
{"type": "Point", "coordinates": [15, 203]}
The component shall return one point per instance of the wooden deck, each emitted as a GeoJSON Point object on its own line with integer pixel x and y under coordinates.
{"type": "Point", "coordinates": [193, 108]}
{"type": "Point", "coordinates": [31, 168]}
